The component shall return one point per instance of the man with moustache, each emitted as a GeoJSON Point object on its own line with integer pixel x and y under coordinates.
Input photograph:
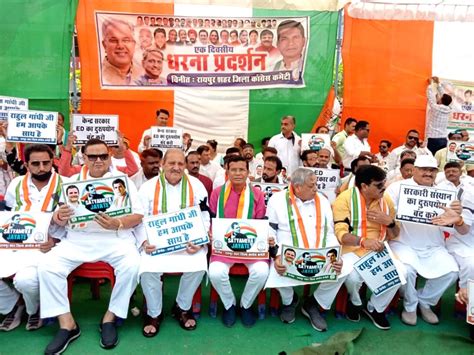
{"type": "Point", "coordinates": [266, 44]}
{"type": "Point", "coordinates": [288, 144]}
{"type": "Point", "coordinates": [150, 161]}
{"type": "Point", "coordinates": [193, 163]}
{"type": "Point", "coordinates": [271, 170]}
{"type": "Point", "coordinates": [153, 65]}
{"type": "Point", "coordinates": [290, 43]}
{"type": "Point", "coordinates": [162, 117]}
{"type": "Point", "coordinates": [247, 153]}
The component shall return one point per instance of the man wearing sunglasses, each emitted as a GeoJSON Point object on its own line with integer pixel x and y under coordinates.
{"type": "Point", "coordinates": [412, 143]}
{"type": "Point", "coordinates": [107, 239]}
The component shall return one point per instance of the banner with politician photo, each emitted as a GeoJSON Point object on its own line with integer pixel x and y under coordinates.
{"type": "Point", "coordinates": [240, 238]}
{"type": "Point", "coordinates": [310, 265]}
{"type": "Point", "coordinates": [269, 189]}
{"type": "Point", "coordinates": [87, 198]}
{"type": "Point", "coordinates": [461, 151]}
{"type": "Point", "coordinates": [23, 230]}
{"type": "Point", "coordinates": [247, 52]}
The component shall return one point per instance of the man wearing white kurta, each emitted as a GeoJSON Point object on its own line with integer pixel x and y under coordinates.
{"type": "Point", "coordinates": [303, 196]}
{"type": "Point", "coordinates": [288, 144]}
{"type": "Point", "coordinates": [177, 187]}
{"type": "Point", "coordinates": [422, 250]}
{"type": "Point", "coordinates": [43, 188]}
{"type": "Point", "coordinates": [357, 145]}
{"type": "Point", "coordinates": [108, 239]}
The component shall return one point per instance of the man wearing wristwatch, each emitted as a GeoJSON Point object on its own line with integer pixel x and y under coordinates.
{"type": "Point", "coordinates": [422, 250]}
{"type": "Point", "coordinates": [363, 219]}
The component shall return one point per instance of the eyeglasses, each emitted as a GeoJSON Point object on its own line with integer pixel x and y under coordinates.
{"type": "Point", "coordinates": [94, 157]}
{"type": "Point", "coordinates": [379, 185]}
{"type": "Point", "coordinates": [413, 138]}
{"type": "Point", "coordinates": [39, 162]}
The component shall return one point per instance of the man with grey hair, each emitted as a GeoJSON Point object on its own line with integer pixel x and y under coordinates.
{"type": "Point", "coordinates": [287, 143]}
{"type": "Point", "coordinates": [119, 46]}
{"type": "Point", "coordinates": [153, 65]}
{"type": "Point", "coordinates": [293, 215]}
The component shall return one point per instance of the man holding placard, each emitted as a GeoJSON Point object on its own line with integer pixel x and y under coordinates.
{"type": "Point", "coordinates": [363, 219]}
{"type": "Point", "coordinates": [172, 191]}
{"type": "Point", "coordinates": [237, 199]}
{"type": "Point", "coordinates": [162, 117]}
{"type": "Point", "coordinates": [38, 190]}
{"type": "Point", "coordinates": [107, 239]}
{"type": "Point", "coordinates": [301, 217]}
{"type": "Point", "coordinates": [421, 246]}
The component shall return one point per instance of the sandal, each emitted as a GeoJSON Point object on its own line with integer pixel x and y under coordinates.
{"type": "Point", "coordinates": [12, 319]}
{"type": "Point", "coordinates": [183, 317]}
{"type": "Point", "coordinates": [34, 322]}
{"type": "Point", "coordinates": [155, 322]}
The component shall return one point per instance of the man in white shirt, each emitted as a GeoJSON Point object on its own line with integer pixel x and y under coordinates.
{"type": "Point", "coordinates": [208, 167]}
{"type": "Point", "coordinates": [357, 145]}
{"type": "Point", "coordinates": [150, 161]}
{"type": "Point", "coordinates": [412, 143]}
{"type": "Point", "coordinates": [288, 144]}
{"type": "Point", "coordinates": [247, 154]}
{"type": "Point", "coordinates": [340, 137]}
{"type": "Point", "coordinates": [162, 117]}
{"type": "Point", "coordinates": [387, 160]}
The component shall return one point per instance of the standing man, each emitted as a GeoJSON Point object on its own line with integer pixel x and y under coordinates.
{"type": "Point", "coordinates": [162, 117]}
{"type": "Point", "coordinates": [193, 163]}
{"type": "Point", "coordinates": [226, 202]}
{"type": "Point", "coordinates": [107, 239]}
{"type": "Point", "coordinates": [426, 256]}
{"type": "Point", "coordinates": [357, 145]}
{"type": "Point", "coordinates": [288, 144]}
{"type": "Point", "coordinates": [172, 191]}
{"type": "Point", "coordinates": [150, 161]}
{"type": "Point", "coordinates": [340, 138]}
{"type": "Point", "coordinates": [208, 167]}
{"type": "Point", "coordinates": [271, 170]}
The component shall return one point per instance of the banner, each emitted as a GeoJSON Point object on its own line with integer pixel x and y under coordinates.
{"type": "Point", "coordinates": [11, 103]}
{"type": "Point", "coordinates": [247, 52]}
{"type": "Point", "coordinates": [32, 126]}
{"type": "Point", "coordinates": [462, 116]}
{"type": "Point", "coordinates": [310, 265]}
{"type": "Point", "coordinates": [461, 150]}
{"type": "Point", "coordinates": [327, 180]}
{"type": "Point", "coordinates": [240, 238]}
{"type": "Point", "coordinates": [24, 230]}
{"type": "Point", "coordinates": [86, 198]}
{"type": "Point", "coordinates": [269, 189]}
{"type": "Point", "coordinates": [103, 127]}
{"type": "Point", "coordinates": [314, 141]}
{"type": "Point", "coordinates": [171, 232]}
{"type": "Point", "coordinates": [165, 138]}
{"type": "Point", "coordinates": [378, 271]}
{"type": "Point", "coordinates": [470, 306]}
{"type": "Point", "coordinates": [419, 204]}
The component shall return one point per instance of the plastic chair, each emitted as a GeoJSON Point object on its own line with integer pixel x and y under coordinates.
{"type": "Point", "coordinates": [96, 271]}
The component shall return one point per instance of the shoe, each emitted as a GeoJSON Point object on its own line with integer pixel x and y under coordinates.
{"type": "Point", "coordinates": [248, 317]}
{"type": "Point", "coordinates": [428, 315]}
{"type": "Point", "coordinates": [378, 318]}
{"type": "Point", "coordinates": [229, 316]}
{"type": "Point", "coordinates": [13, 319]}
{"type": "Point", "coordinates": [288, 313]}
{"type": "Point", "coordinates": [34, 322]}
{"type": "Point", "coordinates": [353, 312]}
{"type": "Point", "coordinates": [310, 311]}
{"type": "Point", "coordinates": [62, 340]}
{"type": "Point", "coordinates": [409, 318]}
{"type": "Point", "coordinates": [108, 335]}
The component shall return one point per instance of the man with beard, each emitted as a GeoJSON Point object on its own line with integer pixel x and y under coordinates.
{"type": "Point", "coordinates": [357, 145]}
{"type": "Point", "coordinates": [162, 117]}
{"type": "Point", "coordinates": [271, 170]}
{"type": "Point", "coordinates": [153, 65]}
{"type": "Point", "coordinates": [412, 143]}
{"type": "Point", "coordinates": [288, 144]}
{"type": "Point", "coordinates": [192, 35]}
{"type": "Point", "coordinates": [247, 153]}
{"type": "Point", "coordinates": [150, 161]}
{"type": "Point", "coordinates": [309, 158]}
{"type": "Point", "coordinates": [193, 163]}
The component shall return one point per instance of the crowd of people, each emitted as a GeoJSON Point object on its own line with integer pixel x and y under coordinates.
{"type": "Point", "coordinates": [220, 185]}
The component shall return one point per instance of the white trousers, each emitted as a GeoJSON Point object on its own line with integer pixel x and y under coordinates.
{"type": "Point", "coordinates": [219, 276]}
{"type": "Point", "coordinates": [54, 269]}
{"type": "Point", "coordinates": [466, 269]}
{"type": "Point", "coordinates": [152, 287]}
{"type": "Point", "coordinates": [324, 294]}
{"type": "Point", "coordinates": [427, 296]}
{"type": "Point", "coordinates": [27, 283]}
{"type": "Point", "coordinates": [8, 297]}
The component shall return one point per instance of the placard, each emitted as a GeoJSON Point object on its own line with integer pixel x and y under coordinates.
{"type": "Point", "coordinates": [310, 265]}
{"type": "Point", "coordinates": [23, 230]}
{"type": "Point", "coordinates": [87, 198]}
{"type": "Point", "coordinates": [165, 138]}
{"type": "Point", "coordinates": [314, 141]}
{"type": "Point", "coordinates": [470, 305]}
{"type": "Point", "coordinates": [171, 232]}
{"type": "Point", "coordinates": [419, 204]}
{"type": "Point", "coordinates": [327, 180]}
{"type": "Point", "coordinates": [240, 238]}
{"type": "Point", "coordinates": [379, 271]}
{"type": "Point", "coordinates": [8, 103]}
{"type": "Point", "coordinates": [461, 151]}
{"type": "Point", "coordinates": [103, 127]}
{"type": "Point", "coordinates": [269, 189]}
{"type": "Point", "coordinates": [32, 126]}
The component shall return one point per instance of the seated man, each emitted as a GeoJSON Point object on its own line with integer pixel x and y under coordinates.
{"type": "Point", "coordinates": [105, 239]}
{"type": "Point", "coordinates": [238, 172]}
{"type": "Point", "coordinates": [358, 238]}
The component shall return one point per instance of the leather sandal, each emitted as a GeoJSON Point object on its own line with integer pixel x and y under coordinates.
{"type": "Point", "coordinates": [183, 317]}
{"type": "Point", "coordinates": [155, 322]}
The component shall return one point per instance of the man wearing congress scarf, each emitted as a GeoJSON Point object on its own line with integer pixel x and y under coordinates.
{"type": "Point", "coordinates": [363, 219]}
{"type": "Point", "coordinates": [107, 239]}
{"type": "Point", "coordinates": [302, 217]}
{"type": "Point", "coordinates": [38, 190]}
{"type": "Point", "coordinates": [171, 191]}
{"type": "Point", "coordinates": [237, 199]}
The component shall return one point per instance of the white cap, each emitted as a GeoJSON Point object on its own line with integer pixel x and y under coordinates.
{"type": "Point", "coordinates": [426, 161]}
{"type": "Point", "coordinates": [329, 149]}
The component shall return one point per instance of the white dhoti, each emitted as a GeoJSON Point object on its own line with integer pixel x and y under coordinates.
{"type": "Point", "coordinates": [466, 268]}
{"type": "Point", "coordinates": [53, 271]}
{"type": "Point", "coordinates": [8, 297]}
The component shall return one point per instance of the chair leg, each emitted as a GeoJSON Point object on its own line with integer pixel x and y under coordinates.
{"type": "Point", "coordinates": [70, 283]}
{"type": "Point", "coordinates": [306, 290]}
{"type": "Point", "coordinates": [214, 297]}
{"type": "Point", "coordinates": [262, 304]}
{"type": "Point", "coordinates": [95, 289]}
{"type": "Point", "coordinates": [341, 302]}
{"type": "Point", "coordinates": [274, 302]}
{"type": "Point", "coordinates": [197, 300]}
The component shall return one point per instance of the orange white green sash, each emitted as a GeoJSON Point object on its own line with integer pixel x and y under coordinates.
{"type": "Point", "coordinates": [187, 194]}
{"type": "Point", "coordinates": [51, 200]}
{"type": "Point", "coordinates": [359, 215]}
{"type": "Point", "coordinates": [83, 173]}
{"type": "Point", "coordinates": [299, 234]}
{"type": "Point", "coordinates": [246, 201]}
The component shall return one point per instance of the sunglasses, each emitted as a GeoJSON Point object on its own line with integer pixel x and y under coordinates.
{"type": "Point", "coordinates": [94, 157]}
{"type": "Point", "coordinates": [38, 163]}
{"type": "Point", "coordinates": [412, 138]}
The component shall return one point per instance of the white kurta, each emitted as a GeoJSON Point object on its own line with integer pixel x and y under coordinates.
{"type": "Point", "coordinates": [210, 170]}
{"type": "Point", "coordinates": [353, 146]}
{"type": "Point", "coordinates": [288, 151]}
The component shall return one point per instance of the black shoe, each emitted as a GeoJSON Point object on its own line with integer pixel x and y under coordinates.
{"type": "Point", "coordinates": [248, 317]}
{"type": "Point", "coordinates": [353, 312]}
{"type": "Point", "coordinates": [310, 311]}
{"type": "Point", "coordinates": [61, 341]}
{"type": "Point", "coordinates": [228, 316]}
{"type": "Point", "coordinates": [288, 313]}
{"type": "Point", "coordinates": [379, 319]}
{"type": "Point", "coordinates": [108, 335]}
